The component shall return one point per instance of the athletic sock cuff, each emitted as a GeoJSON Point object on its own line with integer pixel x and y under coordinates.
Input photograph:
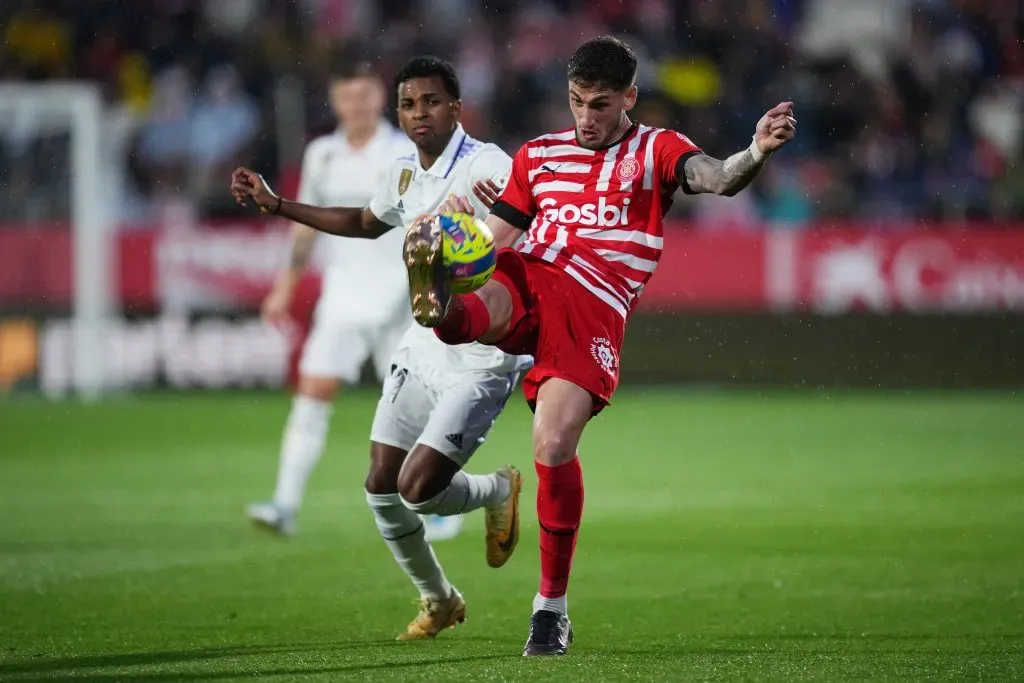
{"type": "Point", "coordinates": [466, 321]}
{"type": "Point", "coordinates": [383, 499]}
{"type": "Point", "coordinates": [560, 474]}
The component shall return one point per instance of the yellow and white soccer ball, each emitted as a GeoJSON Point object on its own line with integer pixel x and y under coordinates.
{"type": "Point", "coordinates": [467, 249]}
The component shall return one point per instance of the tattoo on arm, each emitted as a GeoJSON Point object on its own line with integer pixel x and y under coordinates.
{"type": "Point", "coordinates": [702, 173]}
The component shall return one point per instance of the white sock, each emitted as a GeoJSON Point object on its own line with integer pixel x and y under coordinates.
{"type": "Point", "coordinates": [304, 437]}
{"type": "Point", "coordinates": [402, 531]}
{"type": "Point", "coordinates": [467, 492]}
{"type": "Point", "coordinates": [559, 605]}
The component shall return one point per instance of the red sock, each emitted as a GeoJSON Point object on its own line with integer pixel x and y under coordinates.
{"type": "Point", "coordinates": [559, 510]}
{"type": "Point", "coordinates": [467, 320]}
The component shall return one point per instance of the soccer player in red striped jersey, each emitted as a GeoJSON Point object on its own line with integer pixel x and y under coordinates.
{"type": "Point", "coordinates": [591, 201]}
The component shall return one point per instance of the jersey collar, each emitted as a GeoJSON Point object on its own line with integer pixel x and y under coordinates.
{"type": "Point", "coordinates": [444, 164]}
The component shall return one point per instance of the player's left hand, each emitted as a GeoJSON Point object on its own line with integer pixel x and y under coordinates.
{"type": "Point", "coordinates": [776, 128]}
{"type": "Point", "coordinates": [487, 191]}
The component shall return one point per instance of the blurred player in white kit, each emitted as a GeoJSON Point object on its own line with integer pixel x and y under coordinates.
{"type": "Point", "coordinates": [343, 168]}
{"type": "Point", "coordinates": [439, 402]}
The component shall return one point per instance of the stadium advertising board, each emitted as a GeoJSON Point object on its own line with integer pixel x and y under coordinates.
{"type": "Point", "coordinates": [229, 267]}
{"type": "Point", "coordinates": [191, 293]}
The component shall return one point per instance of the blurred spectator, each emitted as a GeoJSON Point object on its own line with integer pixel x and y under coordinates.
{"type": "Point", "coordinates": [225, 122]}
{"type": "Point", "coordinates": [907, 108]}
{"type": "Point", "coordinates": [37, 42]}
{"type": "Point", "coordinates": [165, 138]}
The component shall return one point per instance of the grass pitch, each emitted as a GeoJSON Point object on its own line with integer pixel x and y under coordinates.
{"type": "Point", "coordinates": [735, 535]}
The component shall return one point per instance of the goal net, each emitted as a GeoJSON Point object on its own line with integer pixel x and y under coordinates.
{"type": "Point", "coordinates": [55, 185]}
{"type": "Point", "coordinates": [99, 295]}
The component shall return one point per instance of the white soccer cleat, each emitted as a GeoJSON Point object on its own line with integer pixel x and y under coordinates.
{"type": "Point", "coordinates": [438, 528]}
{"type": "Point", "coordinates": [271, 517]}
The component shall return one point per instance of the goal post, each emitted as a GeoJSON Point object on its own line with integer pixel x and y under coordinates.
{"type": "Point", "coordinates": [79, 107]}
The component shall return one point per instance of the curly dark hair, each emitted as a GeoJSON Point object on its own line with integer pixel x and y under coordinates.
{"type": "Point", "coordinates": [604, 61]}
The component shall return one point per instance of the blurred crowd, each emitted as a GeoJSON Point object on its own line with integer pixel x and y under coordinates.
{"type": "Point", "coordinates": [907, 109]}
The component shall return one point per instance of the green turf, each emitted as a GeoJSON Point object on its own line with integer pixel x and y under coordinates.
{"type": "Point", "coordinates": [782, 536]}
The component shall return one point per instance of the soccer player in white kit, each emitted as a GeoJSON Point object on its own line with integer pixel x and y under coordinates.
{"type": "Point", "coordinates": [342, 168]}
{"type": "Point", "coordinates": [438, 401]}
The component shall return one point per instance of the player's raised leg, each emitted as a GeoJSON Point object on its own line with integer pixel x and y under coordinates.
{"type": "Point", "coordinates": [302, 445]}
{"type": "Point", "coordinates": [441, 605]}
{"type": "Point", "coordinates": [562, 411]}
{"type": "Point", "coordinates": [483, 315]}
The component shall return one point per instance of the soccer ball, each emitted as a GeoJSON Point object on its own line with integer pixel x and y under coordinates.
{"type": "Point", "coordinates": [467, 250]}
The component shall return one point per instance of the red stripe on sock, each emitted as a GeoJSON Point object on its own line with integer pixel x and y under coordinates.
{"type": "Point", "coordinates": [559, 510]}
{"type": "Point", "coordinates": [467, 320]}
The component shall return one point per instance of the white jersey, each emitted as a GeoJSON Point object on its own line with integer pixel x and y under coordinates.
{"type": "Point", "coordinates": [336, 174]}
{"type": "Point", "coordinates": [408, 191]}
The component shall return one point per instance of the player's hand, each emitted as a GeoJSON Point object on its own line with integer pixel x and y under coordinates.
{"type": "Point", "coordinates": [455, 204]}
{"type": "Point", "coordinates": [274, 309]}
{"type": "Point", "coordinates": [246, 185]}
{"type": "Point", "coordinates": [776, 128]}
{"type": "Point", "coordinates": [487, 191]}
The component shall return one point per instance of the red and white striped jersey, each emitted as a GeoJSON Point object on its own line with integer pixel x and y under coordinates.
{"type": "Point", "coordinates": [597, 214]}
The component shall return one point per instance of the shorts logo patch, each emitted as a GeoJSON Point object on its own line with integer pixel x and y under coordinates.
{"type": "Point", "coordinates": [604, 354]}
{"type": "Point", "coordinates": [629, 168]}
{"type": "Point", "coordinates": [455, 440]}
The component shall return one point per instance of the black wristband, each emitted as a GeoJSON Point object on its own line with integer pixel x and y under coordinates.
{"type": "Point", "coordinates": [512, 215]}
{"type": "Point", "coordinates": [681, 172]}
{"type": "Point", "coordinates": [277, 208]}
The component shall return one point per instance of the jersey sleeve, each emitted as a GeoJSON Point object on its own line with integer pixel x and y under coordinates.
{"type": "Point", "coordinates": [493, 164]}
{"type": "Point", "coordinates": [671, 150]}
{"type": "Point", "coordinates": [311, 162]}
{"type": "Point", "coordinates": [516, 206]}
{"type": "Point", "coordinates": [384, 203]}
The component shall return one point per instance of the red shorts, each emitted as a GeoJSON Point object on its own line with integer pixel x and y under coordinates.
{"type": "Point", "coordinates": [570, 333]}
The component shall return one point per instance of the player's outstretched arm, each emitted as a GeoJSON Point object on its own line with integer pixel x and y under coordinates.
{"type": "Point", "coordinates": [247, 185]}
{"type": "Point", "coordinates": [702, 173]}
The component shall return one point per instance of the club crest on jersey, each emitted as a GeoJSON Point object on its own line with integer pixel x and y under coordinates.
{"type": "Point", "coordinates": [403, 180]}
{"type": "Point", "coordinates": [602, 351]}
{"type": "Point", "coordinates": [629, 169]}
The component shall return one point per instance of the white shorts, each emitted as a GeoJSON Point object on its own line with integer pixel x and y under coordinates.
{"type": "Point", "coordinates": [452, 416]}
{"type": "Point", "coordinates": [339, 346]}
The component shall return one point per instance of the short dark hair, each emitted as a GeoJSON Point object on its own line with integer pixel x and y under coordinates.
{"type": "Point", "coordinates": [605, 61]}
{"type": "Point", "coordinates": [427, 66]}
